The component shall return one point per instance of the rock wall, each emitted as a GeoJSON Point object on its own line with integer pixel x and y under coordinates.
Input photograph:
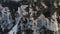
{"type": "Point", "coordinates": [29, 17]}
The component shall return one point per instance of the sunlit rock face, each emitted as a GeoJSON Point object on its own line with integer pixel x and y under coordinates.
{"type": "Point", "coordinates": [6, 20]}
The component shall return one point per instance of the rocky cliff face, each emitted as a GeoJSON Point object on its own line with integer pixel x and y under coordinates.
{"type": "Point", "coordinates": [29, 17]}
